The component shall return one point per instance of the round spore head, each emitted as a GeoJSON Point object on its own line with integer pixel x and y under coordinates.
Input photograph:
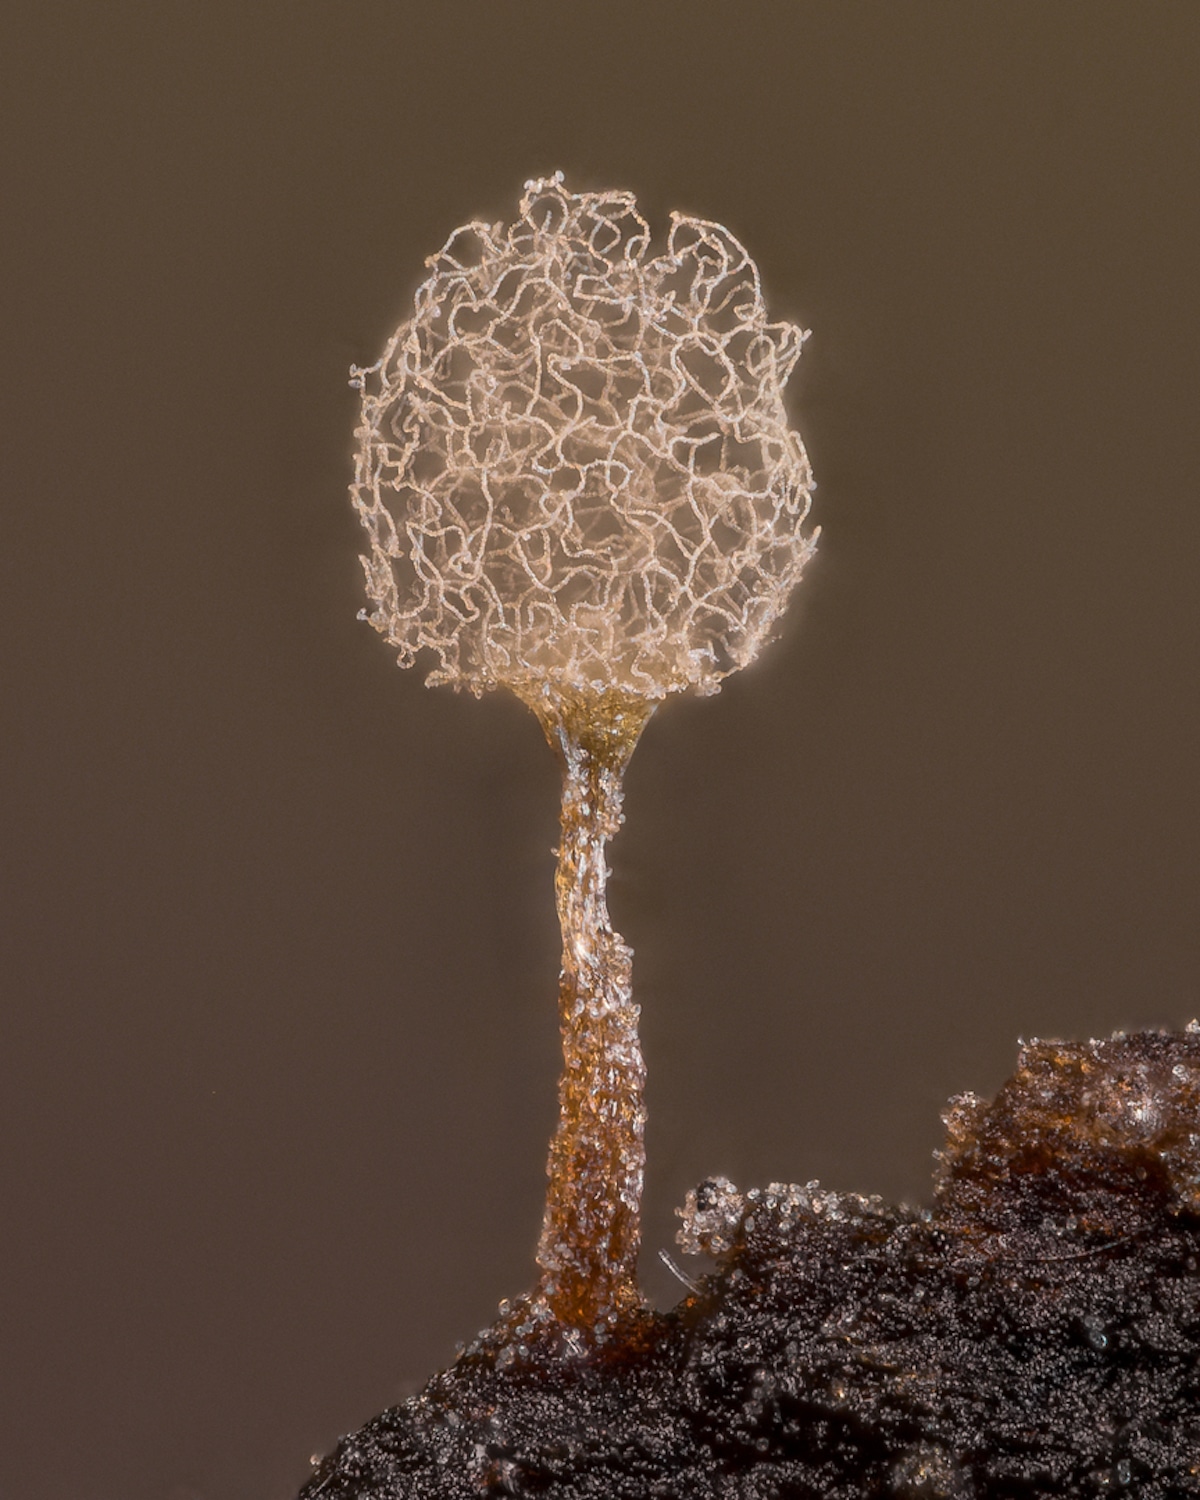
{"type": "Point", "coordinates": [574, 461]}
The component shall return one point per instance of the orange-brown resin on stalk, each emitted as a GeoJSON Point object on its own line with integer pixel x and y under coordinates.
{"type": "Point", "coordinates": [591, 1233]}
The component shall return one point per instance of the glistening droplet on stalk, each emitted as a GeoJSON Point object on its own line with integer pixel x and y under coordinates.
{"type": "Point", "coordinates": [579, 482]}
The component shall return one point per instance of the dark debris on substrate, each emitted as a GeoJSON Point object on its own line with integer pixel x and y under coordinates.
{"type": "Point", "coordinates": [1035, 1333]}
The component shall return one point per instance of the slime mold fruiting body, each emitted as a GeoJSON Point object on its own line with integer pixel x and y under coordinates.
{"type": "Point", "coordinates": [579, 482]}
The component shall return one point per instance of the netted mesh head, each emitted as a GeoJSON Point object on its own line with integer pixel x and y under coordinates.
{"type": "Point", "coordinates": [574, 462]}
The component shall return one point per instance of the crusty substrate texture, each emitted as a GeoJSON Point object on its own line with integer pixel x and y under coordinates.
{"type": "Point", "coordinates": [1036, 1333]}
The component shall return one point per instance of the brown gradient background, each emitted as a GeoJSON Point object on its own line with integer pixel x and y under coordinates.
{"type": "Point", "coordinates": [279, 1045]}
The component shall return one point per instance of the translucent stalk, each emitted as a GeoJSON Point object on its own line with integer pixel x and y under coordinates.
{"type": "Point", "coordinates": [591, 1231]}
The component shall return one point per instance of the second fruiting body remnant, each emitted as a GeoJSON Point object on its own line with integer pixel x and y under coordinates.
{"type": "Point", "coordinates": [580, 483]}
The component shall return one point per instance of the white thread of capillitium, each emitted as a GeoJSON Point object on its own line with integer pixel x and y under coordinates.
{"type": "Point", "coordinates": [579, 482]}
{"type": "Point", "coordinates": [575, 463]}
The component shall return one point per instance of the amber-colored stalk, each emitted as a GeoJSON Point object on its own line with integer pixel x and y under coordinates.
{"type": "Point", "coordinates": [591, 1231]}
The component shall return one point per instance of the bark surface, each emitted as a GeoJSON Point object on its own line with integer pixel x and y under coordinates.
{"type": "Point", "coordinates": [1035, 1333]}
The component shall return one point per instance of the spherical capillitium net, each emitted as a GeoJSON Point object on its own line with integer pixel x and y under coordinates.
{"type": "Point", "coordinates": [574, 462]}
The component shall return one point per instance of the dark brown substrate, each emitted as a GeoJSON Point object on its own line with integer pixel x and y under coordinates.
{"type": "Point", "coordinates": [1036, 1333]}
